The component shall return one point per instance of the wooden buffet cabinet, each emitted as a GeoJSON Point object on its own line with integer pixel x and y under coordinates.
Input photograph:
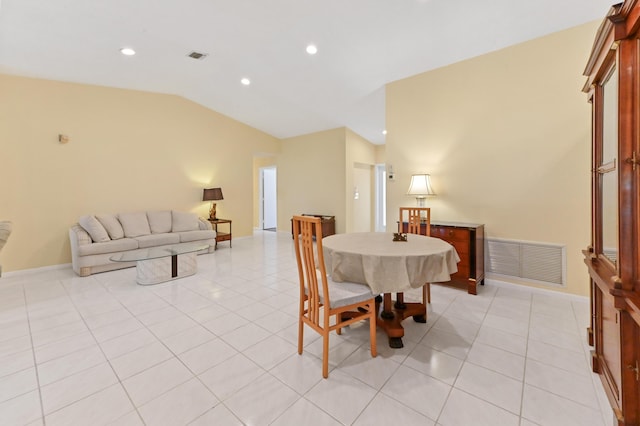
{"type": "Point", "coordinates": [613, 258]}
{"type": "Point", "coordinates": [468, 240]}
{"type": "Point", "coordinates": [328, 224]}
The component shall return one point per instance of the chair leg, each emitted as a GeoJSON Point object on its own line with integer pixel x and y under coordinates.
{"type": "Point", "coordinates": [372, 329]}
{"type": "Point", "coordinates": [426, 293]}
{"type": "Point", "coordinates": [426, 298]}
{"type": "Point", "coordinates": [300, 335]}
{"type": "Point", "coordinates": [300, 328]}
{"type": "Point", "coordinates": [338, 321]}
{"type": "Point", "coordinates": [325, 354]}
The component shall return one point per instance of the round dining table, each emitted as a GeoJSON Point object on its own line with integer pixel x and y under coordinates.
{"type": "Point", "coordinates": [389, 266]}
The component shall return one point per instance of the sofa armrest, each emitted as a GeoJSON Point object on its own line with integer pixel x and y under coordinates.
{"type": "Point", "coordinates": [204, 224]}
{"type": "Point", "coordinates": [77, 233]}
{"type": "Point", "coordinates": [78, 237]}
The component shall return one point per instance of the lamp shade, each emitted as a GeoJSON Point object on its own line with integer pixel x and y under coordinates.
{"type": "Point", "coordinates": [420, 186]}
{"type": "Point", "coordinates": [212, 194]}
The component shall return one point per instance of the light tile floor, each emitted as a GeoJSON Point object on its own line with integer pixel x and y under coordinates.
{"type": "Point", "coordinates": [219, 348]}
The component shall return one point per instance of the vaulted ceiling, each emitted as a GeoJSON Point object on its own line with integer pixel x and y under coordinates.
{"type": "Point", "coordinates": [362, 45]}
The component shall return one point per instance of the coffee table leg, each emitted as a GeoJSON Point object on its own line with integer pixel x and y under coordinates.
{"type": "Point", "coordinates": [174, 266]}
{"type": "Point", "coordinates": [155, 271]}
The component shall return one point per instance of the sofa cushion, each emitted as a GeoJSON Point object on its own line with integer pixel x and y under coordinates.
{"type": "Point", "coordinates": [113, 246]}
{"type": "Point", "coordinates": [94, 228]}
{"type": "Point", "coordinates": [112, 225]}
{"type": "Point", "coordinates": [188, 236]}
{"type": "Point", "coordinates": [134, 224]}
{"type": "Point", "coordinates": [159, 221]}
{"type": "Point", "coordinates": [184, 221]}
{"type": "Point", "coordinates": [153, 240]}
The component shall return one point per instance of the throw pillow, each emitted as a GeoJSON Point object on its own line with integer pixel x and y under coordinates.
{"type": "Point", "coordinates": [134, 224]}
{"type": "Point", "coordinates": [183, 221]}
{"type": "Point", "coordinates": [112, 225]}
{"type": "Point", "coordinates": [159, 221]}
{"type": "Point", "coordinates": [94, 229]}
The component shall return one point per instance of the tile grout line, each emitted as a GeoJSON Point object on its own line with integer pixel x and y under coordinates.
{"type": "Point", "coordinates": [33, 351]}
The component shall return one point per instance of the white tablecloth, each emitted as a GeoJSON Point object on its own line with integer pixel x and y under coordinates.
{"type": "Point", "coordinates": [388, 266]}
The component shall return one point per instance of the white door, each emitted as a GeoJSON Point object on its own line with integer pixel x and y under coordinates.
{"type": "Point", "coordinates": [380, 198]}
{"type": "Point", "coordinates": [269, 198]}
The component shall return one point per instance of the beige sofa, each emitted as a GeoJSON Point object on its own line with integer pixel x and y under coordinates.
{"type": "Point", "coordinates": [94, 239]}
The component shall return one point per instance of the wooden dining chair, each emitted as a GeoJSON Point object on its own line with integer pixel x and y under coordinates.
{"type": "Point", "coordinates": [418, 221]}
{"type": "Point", "coordinates": [321, 298]}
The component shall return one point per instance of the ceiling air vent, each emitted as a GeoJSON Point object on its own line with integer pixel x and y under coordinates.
{"type": "Point", "coordinates": [197, 55]}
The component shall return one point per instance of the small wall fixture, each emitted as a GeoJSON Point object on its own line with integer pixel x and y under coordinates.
{"type": "Point", "coordinates": [212, 194]}
{"type": "Point", "coordinates": [420, 187]}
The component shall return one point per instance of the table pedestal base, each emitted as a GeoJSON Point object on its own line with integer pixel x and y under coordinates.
{"type": "Point", "coordinates": [155, 271]}
{"type": "Point", "coordinates": [391, 316]}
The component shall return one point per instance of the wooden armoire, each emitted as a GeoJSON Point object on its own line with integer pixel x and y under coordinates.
{"type": "Point", "coordinates": [613, 258]}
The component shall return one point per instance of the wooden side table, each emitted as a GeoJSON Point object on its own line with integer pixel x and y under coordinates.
{"type": "Point", "coordinates": [221, 236]}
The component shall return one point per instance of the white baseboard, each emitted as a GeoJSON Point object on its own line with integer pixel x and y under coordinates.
{"type": "Point", "coordinates": [537, 290]}
{"type": "Point", "coordinates": [23, 272]}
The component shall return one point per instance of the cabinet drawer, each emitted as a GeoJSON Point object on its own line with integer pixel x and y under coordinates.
{"type": "Point", "coordinates": [463, 272]}
{"type": "Point", "coordinates": [449, 234]}
{"type": "Point", "coordinates": [462, 247]}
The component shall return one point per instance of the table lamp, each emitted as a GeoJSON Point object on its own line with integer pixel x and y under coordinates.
{"type": "Point", "coordinates": [420, 187]}
{"type": "Point", "coordinates": [212, 194]}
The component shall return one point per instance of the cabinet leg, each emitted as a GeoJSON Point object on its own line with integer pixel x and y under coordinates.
{"type": "Point", "coordinates": [472, 286]}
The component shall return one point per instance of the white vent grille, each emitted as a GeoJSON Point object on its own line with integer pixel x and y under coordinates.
{"type": "Point", "coordinates": [197, 55]}
{"type": "Point", "coordinates": [539, 262]}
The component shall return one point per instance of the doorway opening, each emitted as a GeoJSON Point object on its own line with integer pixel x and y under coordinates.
{"type": "Point", "coordinates": [268, 199]}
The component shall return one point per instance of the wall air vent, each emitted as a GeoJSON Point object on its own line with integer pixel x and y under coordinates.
{"type": "Point", "coordinates": [543, 263]}
{"type": "Point", "coordinates": [197, 55]}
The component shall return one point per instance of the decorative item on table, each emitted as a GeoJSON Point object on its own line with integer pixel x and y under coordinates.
{"type": "Point", "coordinates": [212, 194]}
{"type": "Point", "coordinates": [420, 187]}
{"type": "Point", "coordinates": [399, 236]}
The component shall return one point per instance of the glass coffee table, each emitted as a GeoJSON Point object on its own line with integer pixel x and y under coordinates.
{"type": "Point", "coordinates": [156, 265]}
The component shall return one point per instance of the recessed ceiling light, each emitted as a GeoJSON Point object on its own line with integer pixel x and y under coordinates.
{"type": "Point", "coordinates": [312, 49]}
{"type": "Point", "coordinates": [384, 132]}
{"type": "Point", "coordinates": [245, 81]}
{"type": "Point", "coordinates": [127, 51]}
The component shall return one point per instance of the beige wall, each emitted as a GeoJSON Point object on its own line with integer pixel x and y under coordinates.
{"type": "Point", "coordinates": [311, 177]}
{"type": "Point", "coordinates": [360, 159]}
{"type": "Point", "coordinates": [380, 153]}
{"type": "Point", "coordinates": [316, 175]}
{"type": "Point", "coordinates": [128, 151]}
{"type": "Point", "coordinates": [505, 137]}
